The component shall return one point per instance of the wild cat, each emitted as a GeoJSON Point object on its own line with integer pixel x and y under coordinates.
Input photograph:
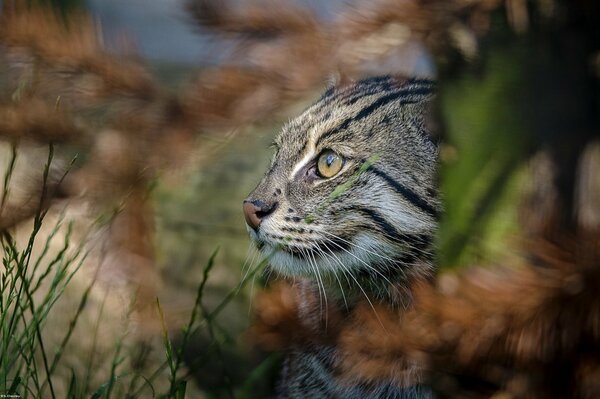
{"type": "Point", "coordinates": [349, 206]}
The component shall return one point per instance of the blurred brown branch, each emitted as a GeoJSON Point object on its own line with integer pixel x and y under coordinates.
{"type": "Point", "coordinates": [65, 86]}
{"type": "Point", "coordinates": [262, 20]}
{"type": "Point", "coordinates": [525, 330]}
{"type": "Point", "coordinates": [37, 120]}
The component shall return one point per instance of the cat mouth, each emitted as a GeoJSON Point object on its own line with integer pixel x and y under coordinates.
{"type": "Point", "coordinates": [301, 253]}
{"type": "Point", "coordinates": [270, 248]}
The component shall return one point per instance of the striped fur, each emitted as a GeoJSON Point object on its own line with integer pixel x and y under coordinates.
{"type": "Point", "coordinates": [363, 232]}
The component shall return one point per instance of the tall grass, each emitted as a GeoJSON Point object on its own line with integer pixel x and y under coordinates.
{"type": "Point", "coordinates": [24, 309]}
{"type": "Point", "coordinates": [31, 283]}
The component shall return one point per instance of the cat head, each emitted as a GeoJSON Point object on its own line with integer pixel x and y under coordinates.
{"type": "Point", "coordinates": [352, 185]}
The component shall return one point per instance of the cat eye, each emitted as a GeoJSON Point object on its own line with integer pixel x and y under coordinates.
{"type": "Point", "coordinates": [329, 164]}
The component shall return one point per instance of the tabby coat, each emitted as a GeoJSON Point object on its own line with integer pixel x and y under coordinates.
{"type": "Point", "coordinates": [361, 233]}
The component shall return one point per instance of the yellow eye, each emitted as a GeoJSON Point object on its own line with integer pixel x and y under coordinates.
{"type": "Point", "coordinates": [329, 164]}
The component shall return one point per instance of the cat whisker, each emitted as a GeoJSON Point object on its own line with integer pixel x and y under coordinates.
{"type": "Point", "coordinates": [423, 253]}
{"type": "Point", "coordinates": [320, 279]}
{"type": "Point", "coordinates": [252, 270]}
{"type": "Point", "coordinates": [359, 287]}
{"type": "Point", "coordinates": [255, 264]}
{"type": "Point", "coordinates": [252, 293]}
{"type": "Point", "coordinates": [251, 251]}
{"type": "Point", "coordinates": [407, 244]}
{"type": "Point", "coordinates": [268, 275]}
{"type": "Point", "coordinates": [248, 265]}
{"type": "Point", "coordinates": [369, 267]}
{"type": "Point", "coordinates": [314, 269]}
{"type": "Point", "coordinates": [388, 262]}
{"type": "Point", "coordinates": [333, 271]}
{"type": "Point", "coordinates": [356, 245]}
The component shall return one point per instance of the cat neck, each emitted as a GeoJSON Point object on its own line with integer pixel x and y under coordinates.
{"type": "Point", "coordinates": [389, 286]}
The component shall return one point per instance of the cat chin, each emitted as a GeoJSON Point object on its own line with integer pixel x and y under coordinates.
{"type": "Point", "coordinates": [287, 264]}
{"type": "Point", "coordinates": [364, 252]}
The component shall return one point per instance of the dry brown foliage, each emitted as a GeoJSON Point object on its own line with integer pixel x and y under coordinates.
{"type": "Point", "coordinates": [66, 87]}
{"type": "Point", "coordinates": [497, 326]}
{"type": "Point", "coordinates": [75, 48]}
{"type": "Point", "coordinates": [525, 329]}
{"type": "Point", "coordinates": [530, 330]}
{"type": "Point", "coordinates": [60, 85]}
{"type": "Point", "coordinates": [37, 120]}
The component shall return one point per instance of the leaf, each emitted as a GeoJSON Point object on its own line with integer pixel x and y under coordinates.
{"type": "Point", "coordinates": [103, 389]}
{"type": "Point", "coordinates": [15, 384]}
{"type": "Point", "coordinates": [71, 393]}
{"type": "Point", "coordinates": [180, 389]}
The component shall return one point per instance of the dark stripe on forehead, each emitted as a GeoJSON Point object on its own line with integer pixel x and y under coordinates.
{"type": "Point", "coordinates": [369, 87]}
{"type": "Point", "coordinates": [390, 86]}
{"type": "Point", "coordinates": [406, 193]}
{"type": "Point", "coordinates": [385, 99]}
{"type": "Point", "coordinates": [382, 83]}
{"type": "Point", "coordinates": [362, 89]}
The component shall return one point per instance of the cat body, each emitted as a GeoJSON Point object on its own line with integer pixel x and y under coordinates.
{"type": "Point", "coordinates": [349, 207]}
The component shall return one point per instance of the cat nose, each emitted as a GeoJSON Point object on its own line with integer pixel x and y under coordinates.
{"type": "Point", "coordinates": [256, 210]}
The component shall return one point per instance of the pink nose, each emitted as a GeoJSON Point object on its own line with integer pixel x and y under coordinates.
{"type": "Point", "coordinates": [255, 211]}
